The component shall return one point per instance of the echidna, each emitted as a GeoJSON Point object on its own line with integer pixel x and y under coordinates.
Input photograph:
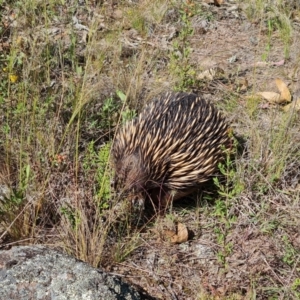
{"type": "Point", "coordinates": [170, 149]}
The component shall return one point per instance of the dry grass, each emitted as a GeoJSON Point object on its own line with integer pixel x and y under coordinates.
{"type": "Point", "coordinates": [70, 74]}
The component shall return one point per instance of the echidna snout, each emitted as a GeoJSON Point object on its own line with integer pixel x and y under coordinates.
{"type": "Point", "coordinates": [171, 148]}
{"type": "Point", "coordinates": [131, 180]}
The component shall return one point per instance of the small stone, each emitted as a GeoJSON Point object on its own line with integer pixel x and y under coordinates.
{"type": "Point", "coordinates": [118, 14]}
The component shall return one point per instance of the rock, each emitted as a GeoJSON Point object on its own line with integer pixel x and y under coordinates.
{"type": "Point", "coordinates": [37, 272]}
{"type": "Point", "coordinates": [118, 14]}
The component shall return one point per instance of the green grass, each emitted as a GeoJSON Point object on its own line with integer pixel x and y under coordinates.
{"type": "Point", "coordinates": [276, 17]}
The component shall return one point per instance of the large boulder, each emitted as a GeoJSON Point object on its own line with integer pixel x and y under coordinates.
{"type": "Point", "coordinates": [37, 272]}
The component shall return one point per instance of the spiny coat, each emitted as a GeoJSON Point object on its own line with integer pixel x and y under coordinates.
{"type": "Point", "coordinates": [170, 149]}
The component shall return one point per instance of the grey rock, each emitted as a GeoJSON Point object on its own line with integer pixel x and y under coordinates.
{"type": "Point", "coordinates": [4, 192]}
{"type": "Point", "coordinates": [37, 272]}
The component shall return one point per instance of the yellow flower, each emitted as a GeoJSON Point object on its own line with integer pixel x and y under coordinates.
{"type": "Point", "coordinates": [13, 78]}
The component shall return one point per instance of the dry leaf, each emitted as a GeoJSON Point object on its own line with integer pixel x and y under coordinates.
{"type": "Point", "coordinates": [295, 105]}
{"type": "Point", "coordinates": [182, 233]}
{"type": "Point", "coordinates": [210, 74]}
{"type": "Point", "coordinates": [260, 64]}
{"type": "Point", "coordinates": [180, 236]}
{"type": "Point", "coordinates": [169, 234]}
{"type": "Point", "coordinates": [243, 84]}
{"type": "Point", "coordinates": [283, 89]}
{"type": "Point", "coordinates": [218, 2]}
{"type": "Point", "coordinates": [271, 97]}
{"type": "Point", "coordinates": [279, 63]}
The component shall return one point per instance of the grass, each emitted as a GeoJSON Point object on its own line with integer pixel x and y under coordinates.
{"type": "Point", "coordinates": [66, 88]}
{"type": "Point", "coordinates": [277, 17]}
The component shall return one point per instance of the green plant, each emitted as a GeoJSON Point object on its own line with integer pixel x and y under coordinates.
{"type": "Point", "coordinates": [270, 27]}
{"type": "Point", "coordinates": [103, 177]}
{"type": "Point", "coordinates": [232, 186]}
{"type": "Point", "coordinates": [284, 26]}
{"type": "Point", "coordinates": [97, 163]}
{"type": "Point", "coordinates": [137, 20]}
{"type": "Point", "coordinates": [228, 189]}
{"type": "Point", "coordinates": [180, 64]}
{"type": "Point", "coordinates": [291, 255]}
{"type": "Point", "coordinates": [276, 15]}
{"type": "Point", "coordinates": [15, 210]}
{"type": "Point", "coordinates": [127, 114]}
{"type": "Point", "coordinates": [125, 246]}
{"type": "Point", "coordinates": [296, 287]}
{"type": "Point", "coordinates": [108, 110]}
{"type": "Point", "coordinates": [71, 215]}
